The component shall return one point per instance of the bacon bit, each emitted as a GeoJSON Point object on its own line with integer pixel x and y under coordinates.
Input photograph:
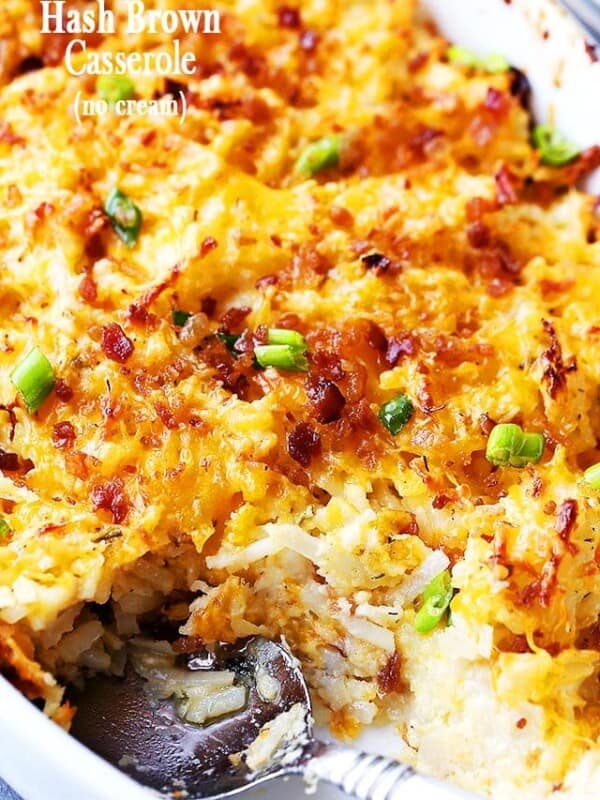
{"type": "Point", "coordinates": [341, 216]}
{"type": "Point", "coordinates": [8, 136]}
{"type": "Point", "coordinates": [233, 318]}
{"type": "Point", "coordinates": [147, 137]}
{"type": "Point", "coordinates": [376, 338]}
{"type": "Point", "coordinates": [452, 352]}
{"type": "Point", "coordinates": [208, 245]}
{"type": "Point", "coordinates": [541, 589]}
{"type": "Point", "coordinates": [79, 464]}
{"type": "Point", "coordinates": [303, 443]}
{"type": "Point", "coordinates": [326, 400]}
{"type": "Point", "coordinates": [166, 416]}
{"type": "Point", "coordinates": [476, 207]}
{"type": "Point", "coordinates": [549, 508]}
{"type": "Point", "coordinates": [565, 522]}
{"type": "Point", "coordinates": [498, 287]}
{"type": "Point", "coordinates": [441, 501]}
{"type": "Point", "coordinates": [88, 289]}
{"type": "Point", "coordinates": [328, 364]}
{"type": "Point", "coordinates": [404, 345]}
{"type": "Point", "coordinates": [309, 41]}
{"type": "Point", "coordinates": [110, 496]}
{"type": "Point", "coordinates": [63, 435]}
{"type": "Point", "coordinates": [418, 62]}
{"type": "Point", "coordinates": [506, 186]}
{"type": "Point", "coordinates": [587, 162]}
{"type": "Point", "coordinates": [486, 424]}
{"type": "Point", "coordinates": [139, 314]}
{"type": "Point", "coordinates": [10, 410]}
{"type": "Point", "coordinates": [478, 234]}
{"type": "Point", "coordinates": [155, 292]}
{"type": "Point", "coordinates": [116, 344]}
{"type": "Point", "coordinates": [496, 101]}
{"type": "Point", "coordinates": [555, 369]}
{"type": "Point", "coordinates": [208, 305]}
{"type": "Point", "coordinates": [9, 462]}
{"type": "Point", "coordinates": [96, 220]}
{"type": "Point", "coordinates": [377, 262]}
{"type": "Point", "coordinates": [63, 391]}
{"type": "Point", "coordinates": [266, 280]}
{"type": "Point", "coordinates": [520, 88]}
{"type": "Point", "coordinates": [39, 214]}
{"type": "Point", "coordinates": [555, 287]}
{"type": "Point", "coordinates": [288, 17]}
{"type": "Point", "coordinates": [537, 487]}
{"type": "Point", "coordinates": [521, 723]}
{"type": "Point", "coordinates": [389, 677]}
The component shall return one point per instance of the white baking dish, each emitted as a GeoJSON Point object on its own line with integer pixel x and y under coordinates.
{"type": "Point", "coordinates": [41, 761]}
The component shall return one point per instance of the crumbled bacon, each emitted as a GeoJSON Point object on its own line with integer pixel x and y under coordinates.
{"type": "Point", "coordinates": [389, 677]}
{"type": "Point", "coordinates": [111, 496]}
{"type": "Point", "coordinates": [208, 305]}
{"type": "Point", "coordinates": [9, 462]}
{"type": "Point", "coordinates": [309, 41]}
{"type": "Point", "coordinates": [377, 262]}
{"type": "Point", "coordinates": [507, 186]}
{"type": "Point", "coordinates": [208, 245]}
{"type": "Point", "coordinates": [303, 443]}
{"type": "Point", "coordinates": [478, 234]}
{"type": "Point", "coordinates": [63, 391]}
{"type": "Point", "coordinates": [116, 344]}
{"type": "Point", "coordinates": [63, 435]}
{"type": "Point", "coordinates": [555, 368]}
{"type": "Point", "coordinates": [289, 17]}
{"type": "Point", "coordinates": [418, 62]}
{"type": "Point", "coordinates": [376, 338]}
{"type": "Point", "coordinates": [233, 318]}
{"type": "Point", "coordinates": [326, 400]}
{"type": "Point", "coordinates": [341, 216]}
{"type": "Point", "coordinates": [166, 415]}
{"type": "Point", "coordinates": [88, 289]}
{"type": "Point", "coordinates": [565, 522]}
{"type": "Point", "coordinates": [398, 347]}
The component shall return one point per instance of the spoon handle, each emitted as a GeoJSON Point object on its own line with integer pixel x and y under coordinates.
{"type": "Point", "coordinates": [370, 777]}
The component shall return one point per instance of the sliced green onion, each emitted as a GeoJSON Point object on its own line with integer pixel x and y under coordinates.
{"type": "Point", "coordinates": [592, 476]}
{"type": "Point", "coordinates": [281, 356]}
{"type": "Point", "coordinates": [124, 215]}
{"type": "Point", "coordinates": [284, 336]}
{"type": "Point", "coordinates": [4, 528]}
{"type": "Point", "coordinates": [493, 63]}
{"type": "Point", "coordinates": [113, 88]}
{"type": "Point", "coordinates": [555, 151]}
{"type": "Point", "coordinates": [396, 412]}
{"type": "Point", "coordinates": [436, 599]}
{"type": "Point", "coordinates": [34, 379]}
{"type": "Point", "coordinates": [508, 445]}
{"type": "Point", "coordinates": [180, 318]}
{"type": "Point", "coordinates": [320, 155]}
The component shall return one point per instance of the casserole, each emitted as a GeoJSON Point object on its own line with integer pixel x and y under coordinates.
{"type": "Point", "coordinates": [535, 22]}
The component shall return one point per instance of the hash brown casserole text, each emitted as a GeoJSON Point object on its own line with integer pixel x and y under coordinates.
{"type": "Point", "coordinates": [433, 257]}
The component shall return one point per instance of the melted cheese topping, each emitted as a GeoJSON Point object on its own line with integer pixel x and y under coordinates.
{"type": "Point", "coordinates": [440, 260]}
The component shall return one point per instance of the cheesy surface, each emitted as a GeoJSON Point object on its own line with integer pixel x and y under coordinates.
{"type": "Point", "coordinates": [440, 259]}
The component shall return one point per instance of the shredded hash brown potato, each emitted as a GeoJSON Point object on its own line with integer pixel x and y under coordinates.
{"type": "Point", "coordinates": [439, 259]}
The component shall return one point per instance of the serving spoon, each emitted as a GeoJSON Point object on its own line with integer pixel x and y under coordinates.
{"type": "Point", "coordinates": [145, 737]}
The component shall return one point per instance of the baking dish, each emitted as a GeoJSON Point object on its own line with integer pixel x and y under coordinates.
{"type": "Point", "coordinates": [41, 761]}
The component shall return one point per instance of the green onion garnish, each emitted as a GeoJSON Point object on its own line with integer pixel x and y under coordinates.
{"type": "Point", "coordinates": [493, 63]}
{"type": "Point", "coordinates": [436, 599]}
{"type": "Point", "coordinates": [180, 318]}
{"type": "Point", "coordinates": [555, 151]}
{"type": "Point", "coordinates": [4, 528]}
{"type": "Point", "coordinates": [281, 356]}
{"type": "Point", "coordinates": [508, 445]}
{"type": "Point", "coordinates": [283, 336]}
{"type": "Point", "coordinates": [124, 215]}
{"type": "Point", "coordinates": [113, 88]}
{"type": "Point", "coordinates": [592, 476]}
{"type": "Point", "coordinates": [34, 379]}
{"type": "Point", "coordinates": [396, 412]}
{"type": "Point", "coordinates": [320, 155]}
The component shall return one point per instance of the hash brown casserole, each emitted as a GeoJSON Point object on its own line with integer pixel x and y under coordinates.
{"type": "Point", "coordinates": [434, 260]}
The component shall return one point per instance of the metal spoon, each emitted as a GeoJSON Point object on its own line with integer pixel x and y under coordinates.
{"type": "Point", "coordinates": [145, 737]}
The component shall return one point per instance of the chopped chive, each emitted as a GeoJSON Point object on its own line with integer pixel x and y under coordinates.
{"type": "Point", "coordinates": [493, 63]}
{"type": "Point", "coordinates": [124, 216]}
{"type": "Point", "coordinates": [555, 151]}
{"type": "Point", "coordinates": [180, 317]}
{"type": "Point", "coordinates": [396, 412]}
{"type": "Point", "coordinates": [284, 336]}
{"type": "Point", "coordinates": [113, 88]}
{"type": "Point", "coordinates": [592, 476]}
{"type": "Point", "coordinates": [4, 528]}
{"type": "Point", "coordinates": [281, 356]}
{"type": "Point", "coordinates": [320, 155]}
{"type": "Point", "coordinates": [436, 600]}
{"type": "Point", "coordinates": [508, 445]}
{"type": "Point", "coordinates": [34, 379]}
